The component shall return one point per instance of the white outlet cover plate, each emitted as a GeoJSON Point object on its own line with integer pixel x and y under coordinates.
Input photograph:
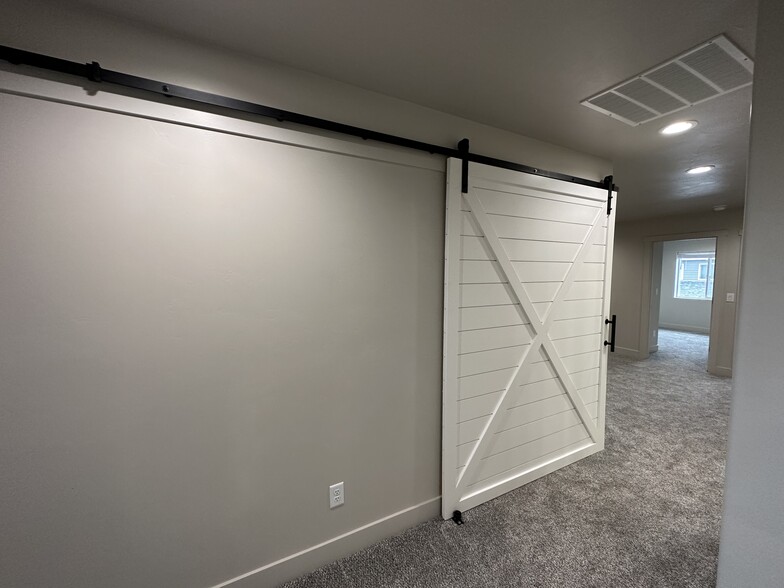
{"type": "Point", "coordinates": [337, 495]}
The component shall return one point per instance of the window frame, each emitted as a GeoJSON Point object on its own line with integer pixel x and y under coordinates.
{"type": "Point", "coordinates": [708, 259]}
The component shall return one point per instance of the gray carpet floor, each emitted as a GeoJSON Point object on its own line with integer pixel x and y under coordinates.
{"type": "Point", "coordinates": [644, 512]}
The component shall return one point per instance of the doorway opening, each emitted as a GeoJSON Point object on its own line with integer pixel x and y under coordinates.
{"type": "Point", "coordinates": [682, 288]}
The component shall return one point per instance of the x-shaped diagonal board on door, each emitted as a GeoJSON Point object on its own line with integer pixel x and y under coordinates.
{"type": "Point", "coordinates": [541, 338]}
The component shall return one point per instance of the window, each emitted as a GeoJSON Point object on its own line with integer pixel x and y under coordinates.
{"type": "Point", "coordinates": [694, 275]}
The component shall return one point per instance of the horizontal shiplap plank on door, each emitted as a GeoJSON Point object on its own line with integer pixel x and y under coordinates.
{"type": "Point", "coordinates": [537, 271]}
{"type": "Point", "coordinates": [529, 250]}
{"type": "Point", "coordinates": [487, 382]}
{"type": "Point", "coordinates": [499, 463]}
{"type": "Point", "coordinates": [585, 378]}
{"type": "Point", "coordinates": [476, 248]}
{"type": "Point", "coordinates": [529, 185]}
{"type": "Point", "coordinates": [585, 290]}
{"type": "Point", "coordinates": [489, 272]}
{"type": "Point", "coordinates": [593, 410]}
{"type": "Point", "coordinates": [596, 253]}
{"type": "Point", "coordinates": [578, 345]}
{"type": "Point", "coordinates": [481, 272]}
{"type": "Point", "coordinates": [542, 291]}
{"type": "Point", "coordinates": [580, 367]}
{"type": "Point", "coordinates": [540, 371]}
{"type": "Point", "coordinates": [526, 413]}
{"type": "Point", "coordinates": [589, 395]}
{"type": "Point", "coordinates": [540, 271]}
{"type": "Point", "coordinates": [498, 360]}
{"type": "Point", "coordinates": [495, 338]}
{"type": "Point", "coordinates": [476, 295]}
{"type": "Point", "coordinates": [478, 406]}
{"type": "Point", "coordinates": [532, 401]}
{"type": "Point", "coordinates": [471, 409]}
{"type": "Point", "coordinates": [534, 207]}
{"type": "Point", "coordinates": [541, 461]}
{"type": "Point", "coordinates": [469, 431]}
{"type": "Point", "coordinates": [524, 395]}
{"type": "Point", "coordinates": [582, 362]}
{"type": "Point", "coordinates": [589, 272]}
{"type": "Point", "coordinates": [485, 295]}
{"type": "Point", "coordinates": [492, 360]}
{"type": "Point", "coordinates": [486, 317]}
{"type": "Point", "coordinates": [536, 391]}
{"type": "Point", "coordinates": [571, 309]}
{"type": "Point", "coordinates": [512, 437]}
{"type": "Point", "coordinates": [576, 327]}
{"type": "Point", "coordinates": [480, 384]}
{"type": "Point", "coordinates": [516, 415]}
{"type": "Point", "coordinates": [507, 227]}
{"type": "Point", "coordinates": [526, 250]}
{"type": "Point", "coordinates": [523, 228]}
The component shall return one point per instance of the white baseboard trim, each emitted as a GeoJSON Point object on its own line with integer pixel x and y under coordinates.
{"type": "Point", "coordinates": [687, 328]}
{"type": "Point", "coordinates": [307, 560]}
{"type": "Point", "coordinates": [721, 370]}
{"type": "Point", "coordinates": [626, 352]}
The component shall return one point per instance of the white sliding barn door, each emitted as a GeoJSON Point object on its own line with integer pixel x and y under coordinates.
{"type": "Point", "coordinates": [528, 265]}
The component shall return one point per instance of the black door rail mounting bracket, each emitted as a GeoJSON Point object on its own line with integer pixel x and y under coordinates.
{"type": "Point", "coordinates": [462, 147]}
{"type": "Point", "coordinates": [608, 184]}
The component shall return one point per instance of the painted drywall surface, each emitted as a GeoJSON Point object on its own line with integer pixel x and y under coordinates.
{"type": "Point", "coordinates": [656, 294]}
{"type": "Point", "coordinates": [680, 313]}
{"type": "Point", "coordinates": [192, 356]}
{"type": "Point", "coordinates": [221, 476]}
{"type": "Point", "coordinates": [752, 540]}
{"type": "Point", "coordinates": [633, 241]}
{"type": "Point", "coordinates": [70, 33]}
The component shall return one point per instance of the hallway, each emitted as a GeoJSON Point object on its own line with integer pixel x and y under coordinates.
{"type": "Point", "coordinates": [645, 512]}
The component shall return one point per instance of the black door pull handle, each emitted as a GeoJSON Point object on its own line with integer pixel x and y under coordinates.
{"type": "Point", "coordinates": [611, 342]}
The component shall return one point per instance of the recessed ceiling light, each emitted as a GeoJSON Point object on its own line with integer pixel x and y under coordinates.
{"type": "Point", "coordinates": [679, 127]}
{"type": "Point", "coordinates": [720, 207]}
{"type": "Point", "coordinates": [701, 169]}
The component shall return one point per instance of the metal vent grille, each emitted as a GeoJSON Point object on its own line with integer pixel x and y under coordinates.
{"type": "Point", "coordinates": [709, 70]}
{"type": "Point", "coordinates": [718, 67]}
{"type": "Point", "coordinates": [623, 107]}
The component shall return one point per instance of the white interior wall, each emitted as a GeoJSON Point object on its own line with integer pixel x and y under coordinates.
{"type": "Point", "coordinates": [752, 539]}
{"type": "Point", "coordinates": [148, 442]}
{"type": "Point", "coordinates": [65, 31]}
{"type": "Point", "coordinates": [679, 313]}
{"type": "Point", "coordinates": [202, 332]}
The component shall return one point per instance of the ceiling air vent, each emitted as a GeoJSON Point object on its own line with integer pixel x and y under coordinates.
{"type": "Point", "coordinates": [709, 70]}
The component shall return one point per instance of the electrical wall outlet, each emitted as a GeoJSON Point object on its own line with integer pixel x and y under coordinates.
{"type": "Point", "coordinates": [336, 495]}
{"type": "Point", "coordinates": [730, 296]}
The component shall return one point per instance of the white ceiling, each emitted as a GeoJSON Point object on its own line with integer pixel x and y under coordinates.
{"type": "Point", "coordinates": [521, 65]}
